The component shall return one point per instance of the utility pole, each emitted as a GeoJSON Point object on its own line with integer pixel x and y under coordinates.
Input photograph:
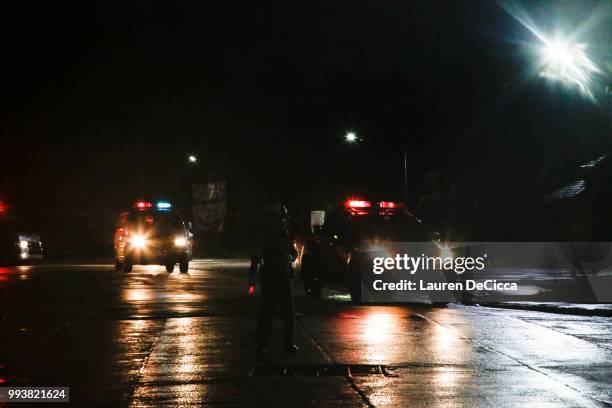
{"type": "Point", "coordinates": [405, 177]}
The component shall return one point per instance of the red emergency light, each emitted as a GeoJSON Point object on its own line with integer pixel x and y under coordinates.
{"type": "Point", "coordinates": [143, 205]}
{"type": "Point", "coordinates": [350, 203]}
{"type": "Point", "coordinates": [357, 206]}
{"type": "Point", "coordinates": [390, 205]}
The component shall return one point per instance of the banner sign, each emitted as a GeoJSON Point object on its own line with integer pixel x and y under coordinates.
{"type": "Point", "coordinates": [577, 272]}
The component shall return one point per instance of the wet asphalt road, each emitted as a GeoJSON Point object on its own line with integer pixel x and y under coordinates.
{"type": "Point", "coordinates": [152, 339]}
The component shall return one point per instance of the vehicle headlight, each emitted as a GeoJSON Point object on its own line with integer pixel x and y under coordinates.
{"type": "Point", "coordinates": [138, 241]}
{"type": "Point", "coordinates": [23, 244]}
{"type": "Point", "coordinates": [180, 242]}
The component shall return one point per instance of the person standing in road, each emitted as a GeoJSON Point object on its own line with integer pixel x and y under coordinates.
{"type": "Point", "coordinates": [271, 261]}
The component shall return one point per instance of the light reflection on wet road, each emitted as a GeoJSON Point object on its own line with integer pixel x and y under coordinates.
{"type": "Point", "coordinates": [153, 339]}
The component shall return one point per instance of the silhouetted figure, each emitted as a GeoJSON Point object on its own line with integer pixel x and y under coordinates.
{"type": "Point", "coordinates": [272, 260]}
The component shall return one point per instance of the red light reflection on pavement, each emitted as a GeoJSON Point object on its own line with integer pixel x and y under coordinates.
{"type": "Point", "coordinates": [4, 274]}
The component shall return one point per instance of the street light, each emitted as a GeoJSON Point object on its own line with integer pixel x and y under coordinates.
{"type": "Point", "coordinates": [567, 62]}
{"type": "Point", "coordinates": [351, 137]}
{"type": "Point", "coordinates": [192, 159]}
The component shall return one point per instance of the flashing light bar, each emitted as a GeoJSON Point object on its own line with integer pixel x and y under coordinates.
{"type": "Point", "coordinates": [142, 205]}
{"type": "Point", "coordinates": [390, 205]}
{"type": "Point", "coordinates": [357, 204]}
{"type": "Point", "coordinates": [163, 205]}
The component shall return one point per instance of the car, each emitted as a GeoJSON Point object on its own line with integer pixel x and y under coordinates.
{"type": "Point", "coordinates": [19, 242]}
{"type": "Point", "coordinates": [152, 233]}
{"type": "Point", "coordinates": [333, 254]}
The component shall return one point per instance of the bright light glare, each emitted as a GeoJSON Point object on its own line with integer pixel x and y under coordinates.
{"type": "Point", "coordinates": [561, 56]}
{"type": "Point", "coordinates": [180, 242]}
{"type": "Point", "coordinates": [350, 137]}
{"type": "Point", "coordinates": [23, 244]}
{"type": "Point", "coordinates": [568, 63]}
{"type": "Point", "coordinates": [138, 241]}
{"type": "Point", "coordinates": [192, 159]}
{"type": "Point", "coordinates": [446, 252]}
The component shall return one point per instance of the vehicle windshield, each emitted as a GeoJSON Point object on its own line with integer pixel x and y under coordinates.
{"type": "Point", "coordinates": [156, 222]}
{"type": "Point", "coordinates": [398, 227]}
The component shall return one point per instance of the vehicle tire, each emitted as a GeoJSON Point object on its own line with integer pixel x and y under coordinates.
{"type": "Point", "coordinates": [312, 285]}
{"type": "Point", "coordinates": [170, 267]}
{"type": "Point", "coordinates": [127, 266]}
{"type": "Point", "coordinates": [184, 267]}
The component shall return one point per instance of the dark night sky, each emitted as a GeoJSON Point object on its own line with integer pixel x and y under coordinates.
{"type": "Point", "coordinates": [264, 92]}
